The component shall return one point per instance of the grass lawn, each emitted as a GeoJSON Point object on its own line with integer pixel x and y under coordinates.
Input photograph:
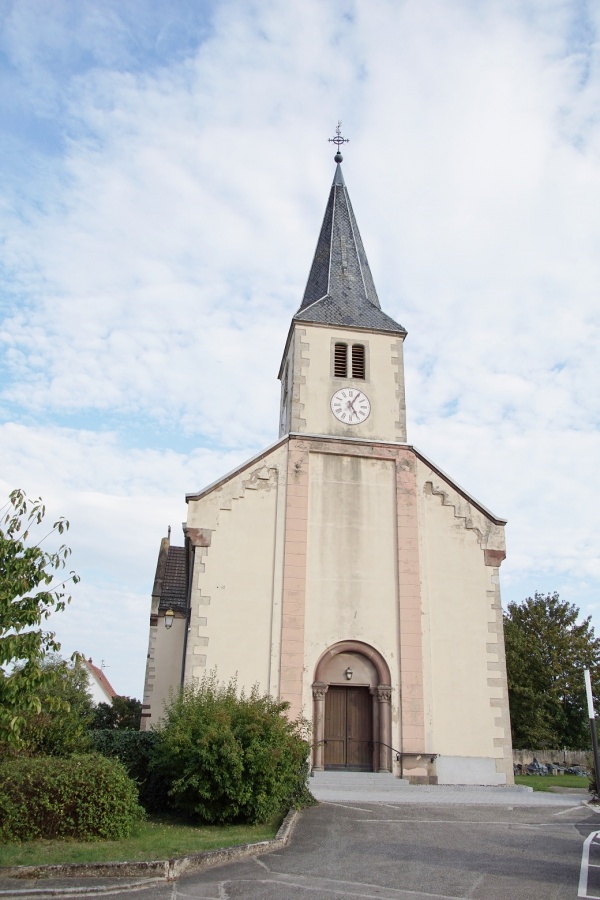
{"type": "Point", "coordinates": [545, 782]}
{"type": "Point", "coordinates": [156, 838]}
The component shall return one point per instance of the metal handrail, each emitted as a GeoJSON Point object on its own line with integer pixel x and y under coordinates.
{"type": "Point", "coordinates": [393, 749]}
{"type": "Point", "coordinates": [371, 743]}
{"type": "Point", "coordinates": [400, 754]}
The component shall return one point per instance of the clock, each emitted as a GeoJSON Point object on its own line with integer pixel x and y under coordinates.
{"type": "Point", "coordinates": [350, 406]}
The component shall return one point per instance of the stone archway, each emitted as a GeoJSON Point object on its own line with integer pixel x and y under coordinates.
{"type": "Point", "coordinates": [369, 671]}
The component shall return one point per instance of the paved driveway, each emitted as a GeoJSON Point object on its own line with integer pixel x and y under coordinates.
{"type": "Point", "coordinates": [407, 851]}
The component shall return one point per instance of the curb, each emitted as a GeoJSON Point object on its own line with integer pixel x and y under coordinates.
{"type": "Point", "coordinates": [145, 873]}
{"type": "Point", "coordinates": [81, 890]}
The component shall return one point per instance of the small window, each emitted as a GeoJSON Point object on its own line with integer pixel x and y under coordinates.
{"type": "Point", "coordinates": [340, 361]}
{"type": "Point", "coordinates": [358, 361]}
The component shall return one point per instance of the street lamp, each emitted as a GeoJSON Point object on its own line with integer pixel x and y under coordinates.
{"type": "Point", "coordinates": [169, 616]}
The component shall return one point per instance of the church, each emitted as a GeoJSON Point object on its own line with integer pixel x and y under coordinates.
{"type": "Point", "coordinates": [340, 569]}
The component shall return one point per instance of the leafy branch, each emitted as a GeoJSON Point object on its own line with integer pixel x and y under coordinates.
{"type": "Point", "coordinates": [29, 594]}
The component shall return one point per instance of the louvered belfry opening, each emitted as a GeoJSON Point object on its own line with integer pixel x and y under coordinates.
{"type": "Point", "coordinates": [340, 361]}
{"type": "Point", "coordinates": [358, 361]}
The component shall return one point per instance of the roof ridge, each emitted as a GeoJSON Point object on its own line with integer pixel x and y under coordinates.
{"type": "Point", "coordinates": [352, 224]}
{"type": "Point", "coordinates": [100, 676]}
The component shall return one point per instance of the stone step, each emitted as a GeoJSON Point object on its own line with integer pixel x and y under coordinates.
{"type": "Point", "coordinates": [367, 781]}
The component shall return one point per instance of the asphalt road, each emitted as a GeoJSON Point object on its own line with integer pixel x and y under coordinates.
{"type": "Point", "coordinates": [407, 852]}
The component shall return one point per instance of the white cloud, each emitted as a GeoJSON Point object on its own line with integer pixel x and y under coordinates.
{"type": "Point", "coordinates": [119, 504]}
{"type": "Point", "coordinates": [161, 229]}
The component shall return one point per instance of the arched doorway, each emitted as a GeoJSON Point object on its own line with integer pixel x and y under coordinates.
{"type": "Point", "coordinates": [352, 720]}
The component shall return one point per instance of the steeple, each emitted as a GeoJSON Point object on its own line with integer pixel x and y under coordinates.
{"type": "Point", "coordinates": [341, 349]}
{"type": "Point", "coordinates": [340, 288]}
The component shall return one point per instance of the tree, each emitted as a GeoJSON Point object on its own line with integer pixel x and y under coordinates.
{"type": "Point", "coordinates": [61, 727]}
{"type": "Point", "coordinates": [124, 713]}
{"type": "Point", "coordinates": [29, 593]}
{"type": "Point", "coordinates": [547, 649]}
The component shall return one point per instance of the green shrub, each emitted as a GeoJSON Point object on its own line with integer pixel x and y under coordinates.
{"type": "Point", "coordinates": [230, 758]}
{"type": "Point", "coordinates": [84, 797]}
{"type": "Point", "coordinates": [134, 749]}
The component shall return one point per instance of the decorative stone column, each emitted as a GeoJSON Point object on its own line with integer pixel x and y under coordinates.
{"type": "Point", "coordinates": [376, 728]}
{"type": "Point", "coordinates": [384, 696]}
{"type": "Point", "coordinates": [319, 689]}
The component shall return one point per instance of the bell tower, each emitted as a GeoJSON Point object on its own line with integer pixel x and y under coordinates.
{"type": "Point", "coordinates": [342, 372]}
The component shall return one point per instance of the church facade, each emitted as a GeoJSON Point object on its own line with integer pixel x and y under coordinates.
{"type": "Point", "coordinates": [341, 570]}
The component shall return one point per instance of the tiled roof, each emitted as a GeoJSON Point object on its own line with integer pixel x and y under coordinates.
{"type": "Point", "coordinates": [340, 288]}
{"type": "Point", "coordinates": [347, 310]}
{"type": "Point", "coordinates": [101, 678]}
{"type": "Point", "coordinates": [174, 583]}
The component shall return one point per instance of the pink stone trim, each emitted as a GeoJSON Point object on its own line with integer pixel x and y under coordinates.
{"type": "Point", "coordinates": [381, 693]}
{"type": "Point", "coordinates": [294, 579]}
{"type": "Point", "coordinates": [412, 701]}
{"type": "Point", "coordinates": [494, 558]}
{"type": "Point", "coordinates": [383, 672]}
{"type": "Point", "coordinates": [199, 537]}
{"type": "Point", "coordinates": [409, 591]}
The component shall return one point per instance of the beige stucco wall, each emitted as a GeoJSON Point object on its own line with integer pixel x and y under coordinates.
{"type": "Point", "coordinates": [236, 590]}
{"type": "Point", "coordinates": [163, 667]}
{"type": "Point", "coordinates": [299, 550]}
{"type": "Point", "coordinates": [310, 355]}
{"type": "Point", "coordinates": [465, 684]}
{"type": "Point", "coordinates": [351, 583]}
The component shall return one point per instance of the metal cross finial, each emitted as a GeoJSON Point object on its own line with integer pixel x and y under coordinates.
{"type": "Point", "coordinates": [338, 140]}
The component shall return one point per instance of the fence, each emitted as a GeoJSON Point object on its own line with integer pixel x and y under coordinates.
{"type": "Point", "coordinates": [560, 757]}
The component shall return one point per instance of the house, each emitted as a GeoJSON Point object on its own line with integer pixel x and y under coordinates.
{"type": "Point", "coordinates": [340, 569]}
{"type": "Point", "coordinates": [100, 687]}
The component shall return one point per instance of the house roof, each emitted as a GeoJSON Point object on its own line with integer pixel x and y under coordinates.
{"type": "Point", "coordinates": [340, 288]}
{"type": "Point", "coordinates": [100, 678]}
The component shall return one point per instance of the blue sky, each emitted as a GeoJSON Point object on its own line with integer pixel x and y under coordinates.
{"type": "Point", "coordinates": [165, 172]}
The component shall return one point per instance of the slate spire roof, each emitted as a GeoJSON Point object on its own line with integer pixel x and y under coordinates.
{"type": "Point", "coordinates": [170, 581]}
{"type": "Point", "coordinates": [340, 288]}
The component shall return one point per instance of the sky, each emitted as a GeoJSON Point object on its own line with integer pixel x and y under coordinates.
{"type": "Point", "coordinates": [165, 169]}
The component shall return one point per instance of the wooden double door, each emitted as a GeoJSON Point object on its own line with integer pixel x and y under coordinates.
{"type": "Point", "coordinates": [349, 728]}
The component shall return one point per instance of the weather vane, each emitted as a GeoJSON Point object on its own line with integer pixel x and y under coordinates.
{"type": "Point", "coordinates": [338, 140]}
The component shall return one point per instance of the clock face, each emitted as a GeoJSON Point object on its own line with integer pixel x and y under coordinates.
{"type": "Point", "coordinates": [350, 406]}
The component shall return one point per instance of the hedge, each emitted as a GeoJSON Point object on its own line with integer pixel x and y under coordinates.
{"type": "Point", "coordinates": [84, 797]}
{"type": "Point", "coordinates": [135, 750]}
